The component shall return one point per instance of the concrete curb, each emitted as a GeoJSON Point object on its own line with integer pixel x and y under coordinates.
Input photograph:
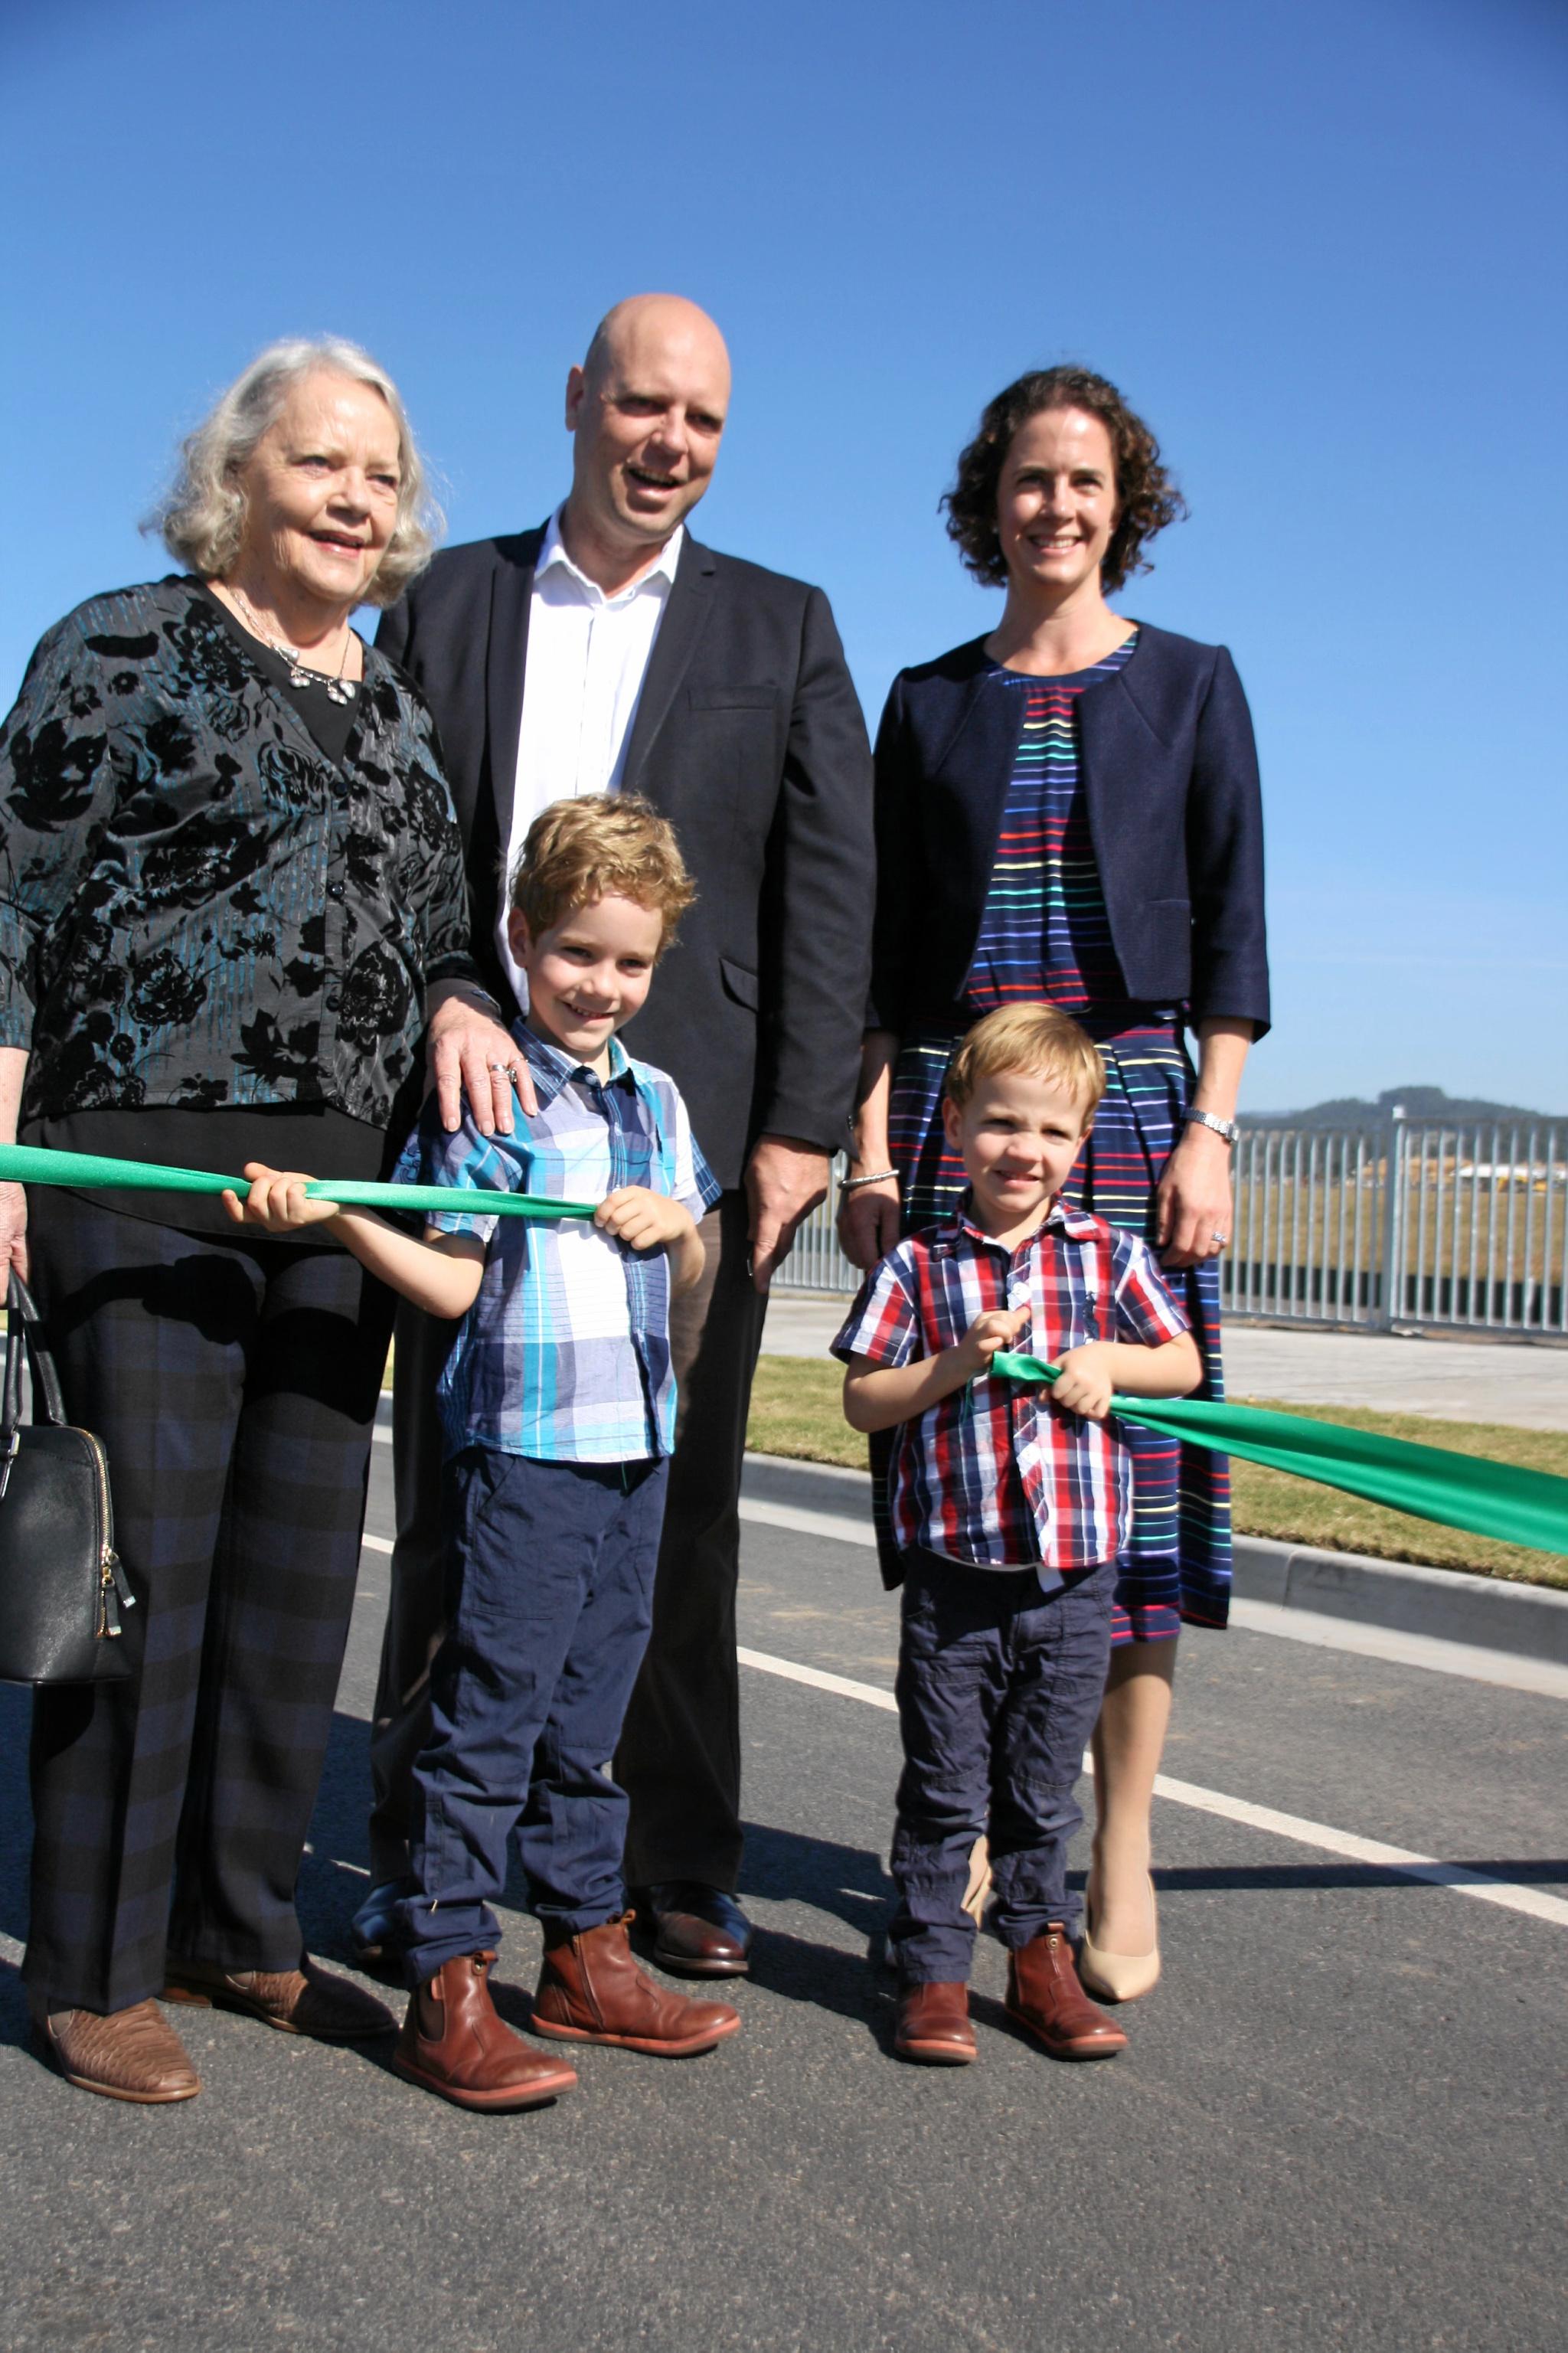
{"type": "Point", "coordinates": [1448, 1605]}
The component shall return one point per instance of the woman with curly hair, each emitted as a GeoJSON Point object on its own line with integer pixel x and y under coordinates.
{"type": "Point", "coordinates": [1068, 810]}
{"type": "Point", "coordinates": [231, 898]}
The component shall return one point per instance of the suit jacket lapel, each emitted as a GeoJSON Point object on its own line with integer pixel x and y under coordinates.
{"type": "Point", "coordinates": [506, 651]}
{"type": "Point", "coordinates": [685, 618]}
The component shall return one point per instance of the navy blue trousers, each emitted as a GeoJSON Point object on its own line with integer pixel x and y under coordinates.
{"type": "Point", "coordinates": [550, 1569]}
{"type": "Point", "coordinates": [998, 1688]}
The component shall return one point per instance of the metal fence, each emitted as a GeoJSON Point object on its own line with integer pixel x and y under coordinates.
{"type": "Point", "coordinates": [1402, 1226]}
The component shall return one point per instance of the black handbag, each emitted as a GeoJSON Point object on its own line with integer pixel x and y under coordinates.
{"type": "Point", "coordinates": [62, 1588]}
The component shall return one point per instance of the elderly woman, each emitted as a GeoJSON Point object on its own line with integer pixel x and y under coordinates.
{"type": "Point", "coordinates": [1068, 810]}
{"type": "Point", "coordinates": [231, 898]}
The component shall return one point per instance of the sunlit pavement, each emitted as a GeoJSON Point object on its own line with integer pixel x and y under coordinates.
{"type": "Point", "coordinates": [1339, 2123]}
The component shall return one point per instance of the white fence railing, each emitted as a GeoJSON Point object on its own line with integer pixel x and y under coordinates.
{"type": "Point", "coordinates": [1441, 1228]}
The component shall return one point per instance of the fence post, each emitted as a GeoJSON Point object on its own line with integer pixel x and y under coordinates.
{"type": "Point", "coordinates": [1391, 1290]}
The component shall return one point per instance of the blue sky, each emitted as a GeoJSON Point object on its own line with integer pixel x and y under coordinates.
{"type": "Point", "coordinates": [1318, 245]}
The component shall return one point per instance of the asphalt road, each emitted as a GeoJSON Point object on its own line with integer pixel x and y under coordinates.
{"type": "Point", "coordinates": [1339, 2124]}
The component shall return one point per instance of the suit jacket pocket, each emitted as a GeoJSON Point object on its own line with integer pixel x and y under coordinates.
{"type": "Point", "coordinates": [740, 984]}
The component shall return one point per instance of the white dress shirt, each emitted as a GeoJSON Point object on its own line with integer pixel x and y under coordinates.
{"type": "Point", "coordinates": [587, 657]}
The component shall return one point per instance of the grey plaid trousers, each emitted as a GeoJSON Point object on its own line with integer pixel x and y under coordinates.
{"type": "Point", "coordinates": [233, 1385]}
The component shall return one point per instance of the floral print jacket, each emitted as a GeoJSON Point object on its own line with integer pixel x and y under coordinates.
{"type": "Point", "coordinates": [196, 907]}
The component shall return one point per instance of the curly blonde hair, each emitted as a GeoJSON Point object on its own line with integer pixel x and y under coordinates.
{"type": "Point", "coordinates": [602, 844]}
{"type": "Point", "coordinates": [201, 517]}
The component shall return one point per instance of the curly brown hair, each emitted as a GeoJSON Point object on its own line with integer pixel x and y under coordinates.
{"type": "Point", "coordinates": [1147, 499]}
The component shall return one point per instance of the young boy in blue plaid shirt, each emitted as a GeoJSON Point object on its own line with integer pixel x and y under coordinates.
{"type": "Point", "coordinates": [558, 1405]}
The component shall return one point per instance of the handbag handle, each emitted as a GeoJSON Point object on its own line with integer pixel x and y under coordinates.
{"type": "Point", "coordinates": [24, 1332]}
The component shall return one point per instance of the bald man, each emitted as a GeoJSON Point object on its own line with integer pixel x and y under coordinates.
{"type": "Point", "coordinates": [611, 651]}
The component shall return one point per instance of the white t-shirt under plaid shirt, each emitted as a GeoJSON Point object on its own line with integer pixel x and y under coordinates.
{"type": "Point", "coordinates": [564, 1354]}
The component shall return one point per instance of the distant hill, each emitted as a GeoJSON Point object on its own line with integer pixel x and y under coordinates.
{"type": "Point", "coordinates": [1427, 1107]}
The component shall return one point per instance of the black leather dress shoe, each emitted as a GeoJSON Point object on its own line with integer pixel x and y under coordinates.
{"type": "Point", "coordinates": [699, 1931]}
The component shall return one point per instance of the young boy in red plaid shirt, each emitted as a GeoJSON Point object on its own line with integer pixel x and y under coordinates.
{"type": "Point", "coordinates": [1009, 1507]}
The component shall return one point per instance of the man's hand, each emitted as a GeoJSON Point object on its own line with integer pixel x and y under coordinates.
{"type": "Point", "coordinates": [13, 1231]}
{"type": "Point", "coordinates": [986, 1337]}
{"type": "Point", "coordinates": [469, 1051]}
{"type": "Point", "coordinates": [785, 1181]}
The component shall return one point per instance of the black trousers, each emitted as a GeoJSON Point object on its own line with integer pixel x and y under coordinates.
{"type": "Point", "coordinates": [679, 1756]}
{"type": "Point", "coordinates": [233, 1385]}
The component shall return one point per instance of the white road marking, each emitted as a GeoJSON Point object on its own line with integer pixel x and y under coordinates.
{"type": "Point", "coordinates": [837, 1525]}
{"type": "Point", "coordinates": [377, 1544]}
{"type": "Point", "coordinates": [1504, 1668]}
{"type": "Point", "coordinates": [1459, 1877]}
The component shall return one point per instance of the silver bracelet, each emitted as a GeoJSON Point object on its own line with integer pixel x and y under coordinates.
{"type": "Point", "coordinates": [853, 1184]}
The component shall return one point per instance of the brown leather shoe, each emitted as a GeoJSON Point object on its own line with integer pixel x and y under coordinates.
{"type": "Point", "coordinates": [591, 1990]}
{"type": "Point", "coordinates": [305, 2001]}
{"type": "Point", "coordinates": [1045, 1997]}
{"type": "Point", "coordinates": [698, 1931]}
{"type": "Point", "coordinates": [453, 2042]}
{"type": "Point", "coordinates": [127, 2054]}
{"type": "Point", "coordinates": [934, 2025]}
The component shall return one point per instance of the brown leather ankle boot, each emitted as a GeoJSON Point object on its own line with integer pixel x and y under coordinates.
{"type": "Point", "coordinates": [934, 2025]}
{"type": "Point", "coordinates": [1045, 1997]}
{"type": "Point", "coordinates": [591, 1990]}
{"type": "Point", "coordinates": [453, 2042]}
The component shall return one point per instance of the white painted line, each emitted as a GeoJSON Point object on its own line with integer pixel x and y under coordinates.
{"type": "Point", "coordinates": [382, 1435]}
{"type": "Point", "coordinates": [1507, 1669]}
{"type": "Point", "coordinates": [837, 1525]}
{"type": "Point", "coordinates": [1459, 1877]}
{"type": "Point", "coordinates": [869, 1693]}
{"type": "Point", "coordinates": [1456, 1875]}
{"type": "Point", "coordinates": [377, 1544]}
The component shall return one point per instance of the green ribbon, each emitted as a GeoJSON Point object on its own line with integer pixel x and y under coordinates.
{"type": "Point", "coordinates": [26, 1164]}
{"type": "Point", "coordinates": [1459, 1491]}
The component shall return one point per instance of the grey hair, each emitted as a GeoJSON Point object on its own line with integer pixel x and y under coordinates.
{"type": "Point", "coordinates": [201, 519]}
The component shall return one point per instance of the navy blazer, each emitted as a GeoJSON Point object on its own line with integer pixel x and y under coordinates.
{"type": "Point", "coordinates": [1170, 770]}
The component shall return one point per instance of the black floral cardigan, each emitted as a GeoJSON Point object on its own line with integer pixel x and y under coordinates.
{"type": "Point", "coordinates": [196, 908]}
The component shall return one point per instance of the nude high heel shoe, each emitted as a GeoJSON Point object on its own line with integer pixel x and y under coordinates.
{"type": "Point", "coordinates": [1118, 1976]}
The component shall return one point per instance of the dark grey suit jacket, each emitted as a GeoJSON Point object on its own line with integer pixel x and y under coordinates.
{"type": "Point", "coordinates": [749, 738]}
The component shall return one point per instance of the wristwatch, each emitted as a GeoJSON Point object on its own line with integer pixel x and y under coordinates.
{"type": "Point", "coordinates": [1225, 1127]}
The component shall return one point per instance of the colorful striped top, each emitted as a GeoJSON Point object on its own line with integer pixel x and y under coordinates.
{"type": "Point", "coordinates": [1044, 932]}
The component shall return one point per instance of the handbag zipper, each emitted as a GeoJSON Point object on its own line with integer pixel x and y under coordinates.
{"type": "Point", "coordinates": [113, 1591]}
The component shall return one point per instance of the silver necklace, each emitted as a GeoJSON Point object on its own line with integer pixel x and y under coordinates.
{"type": "Point", "coordinates": [340, 690]}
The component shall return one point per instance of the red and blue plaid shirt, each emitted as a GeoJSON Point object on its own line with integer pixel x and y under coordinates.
{"type": "Point", "coordinates": [994, 1474]}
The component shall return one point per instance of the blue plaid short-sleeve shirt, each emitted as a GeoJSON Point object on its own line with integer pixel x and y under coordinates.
{"type": "Point", "coordinates": [564, 1354]}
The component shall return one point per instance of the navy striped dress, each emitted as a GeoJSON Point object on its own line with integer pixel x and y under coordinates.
{"type": "Point", "coordinates": [1046, 934]}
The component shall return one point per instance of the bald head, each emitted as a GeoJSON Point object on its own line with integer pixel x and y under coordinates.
{"type": "Point", "coordinates": [654, 329]}
{"type": "Point", "coordinates": [647, 411]}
